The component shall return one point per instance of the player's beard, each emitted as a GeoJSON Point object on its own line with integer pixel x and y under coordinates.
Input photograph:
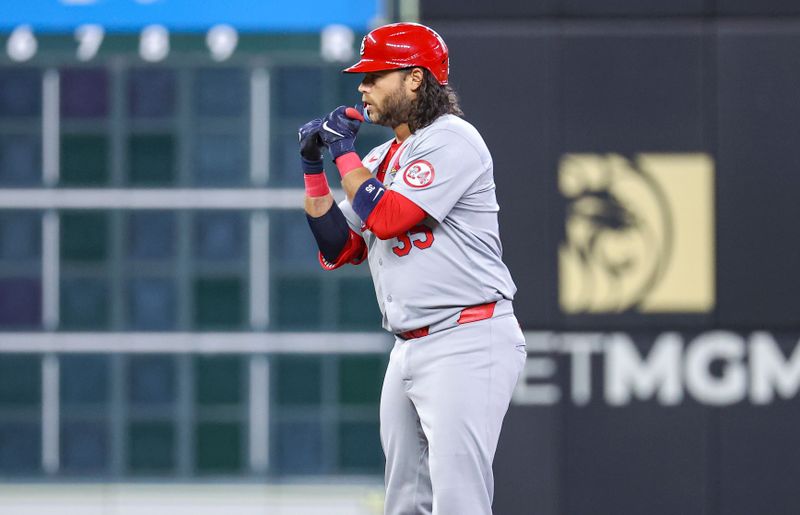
{"type": "Point", "coordinates": [395, 110]}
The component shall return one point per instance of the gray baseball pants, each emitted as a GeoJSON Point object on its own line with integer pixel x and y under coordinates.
{"type": "Point", "coordinates": [442, 405]}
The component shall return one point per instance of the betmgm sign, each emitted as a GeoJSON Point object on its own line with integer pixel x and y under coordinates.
{"type": "Point", "coordinates": [715, 368]}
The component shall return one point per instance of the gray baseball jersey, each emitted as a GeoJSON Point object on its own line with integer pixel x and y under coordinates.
{"type": "Point", "coordinates": [454, 260]}
{"type": "Point", "coordinates": [444, 394]}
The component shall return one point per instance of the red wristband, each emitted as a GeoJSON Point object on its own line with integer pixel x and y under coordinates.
{"type": "Point", "coordinates": [316, 184]}
{"type": "Point", "coordinates": [346, 163]}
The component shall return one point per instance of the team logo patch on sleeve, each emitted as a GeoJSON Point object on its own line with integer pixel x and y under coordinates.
{"type": "Point", "coordinates": [419, 174]}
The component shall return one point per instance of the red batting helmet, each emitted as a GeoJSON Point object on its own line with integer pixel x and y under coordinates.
{"type": "Point", "coordinates": [403, 45]}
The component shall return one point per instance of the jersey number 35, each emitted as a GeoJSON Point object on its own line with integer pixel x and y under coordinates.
{"type": "Point", "coordinates": [405, 242]}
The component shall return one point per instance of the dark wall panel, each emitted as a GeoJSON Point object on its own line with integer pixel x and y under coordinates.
{"type": "Point", "coordinates": [444, 10]}
{"type": "Point", "coordinates": [632, 7]}
{"type": "Point", "coordinates": [639, 459]}
{"type": "Point", "coordinates": [528, 462]}
{"type": "Point", "coordinates": [432, 10]}
{"type": "Point", "coordinates": [505, 80]}
{"type": "Point", "coordinates": [759, 460]}
{"type": "Point", "coordinates": [757, 7]}
{"type": "Point", "coordinates": [758, 161]}
{"type": "Point", "coordinates": [632, 90]}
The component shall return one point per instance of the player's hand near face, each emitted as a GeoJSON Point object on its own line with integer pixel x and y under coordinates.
{"type": "Point", "coordinates": [339, 130]}
{"type": "Point", "coordinates": [318, 198]}
{"type": "Point", "coordinates": [311, 146]}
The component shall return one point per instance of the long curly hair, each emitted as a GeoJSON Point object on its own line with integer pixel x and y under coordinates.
{"type": "Point", "coordinates": [433, 100]}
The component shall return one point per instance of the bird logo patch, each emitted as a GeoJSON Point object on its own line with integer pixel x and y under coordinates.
{"type": "Point", "coordinates": [419, 174]}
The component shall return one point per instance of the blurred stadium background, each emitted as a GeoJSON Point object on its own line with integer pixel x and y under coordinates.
{"type": "Point", "coordinates": [168, 343]}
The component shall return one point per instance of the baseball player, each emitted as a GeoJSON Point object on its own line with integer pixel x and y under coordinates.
{"type": "Point", "coordinates": [422, 209]}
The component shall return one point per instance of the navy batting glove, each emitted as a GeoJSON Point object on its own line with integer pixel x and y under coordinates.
{"type": "Point", "coordinates": [339, 131]}
{"type": "Point", "coordinates": [311, 146]}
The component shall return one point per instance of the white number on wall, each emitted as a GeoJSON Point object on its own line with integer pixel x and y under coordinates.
{"type": "Point", "coordinates": [89, 37]}
{"type": "Point", "coordinates": [154, 43]}
{"type": "Point", "coordinates": [21, 45]}
{"type": "Point", "coordinates": [336, 43]}
{"type": "Point", "coordinates": [222, 41]}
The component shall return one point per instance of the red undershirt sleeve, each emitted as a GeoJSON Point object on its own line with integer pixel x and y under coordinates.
{"type": "Point", "coordinates": [354, 252]}
{"type": "Point", "coordinates": [393, 215]}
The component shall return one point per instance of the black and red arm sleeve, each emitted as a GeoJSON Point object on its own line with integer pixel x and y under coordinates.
{"type": "Point", "coordinates": [353, 252]}
{"type": "Point", "coordinates": [338, 244]}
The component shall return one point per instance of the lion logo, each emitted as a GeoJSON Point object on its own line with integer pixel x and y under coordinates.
{"type": "Point", "coordinates": [638, 233]}
{"type": "Point", "coordinates": [618, 234]}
